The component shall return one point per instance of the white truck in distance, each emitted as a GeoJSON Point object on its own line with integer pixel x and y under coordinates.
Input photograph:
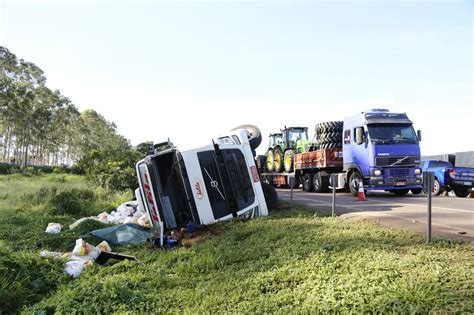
{"type": "Point", "coordinates": [204, 185]}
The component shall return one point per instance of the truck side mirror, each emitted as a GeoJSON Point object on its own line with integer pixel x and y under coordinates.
{"type": "Point", "coordinates": [359, 135]}
{"type": "Point", "coordinates": [418, 134]}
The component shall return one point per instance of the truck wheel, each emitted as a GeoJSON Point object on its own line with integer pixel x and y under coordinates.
{"type": "Point", "coordinates": [307, 181]}
{"type": "Point", "coordinates": [269, 161]}
{"type": "Point", "coordinates": [278, 158]}
{"type": "Point", "coordinates": [271, 197]}
{"type": "Point", "coordinates": [461, 192]}
{"type": "Point", "coordinates": [289, 154]}
{"type": "Point", "coordinates": [354, 181]}
{"type": "Point", "coordinates": [416, 191]}
{"type": "Point", "coordinates": [401, 192]}
{"type": "Point", "coordinates": [320, 183]}
{"type": "Point", "coordinates": [255, 136]}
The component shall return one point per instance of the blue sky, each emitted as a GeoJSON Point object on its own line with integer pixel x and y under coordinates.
{"type": "Point", "coordinates": [188, 70]}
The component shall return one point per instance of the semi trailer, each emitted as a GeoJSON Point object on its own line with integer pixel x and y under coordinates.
{"type": "Point", "coordinates": [376, 147]}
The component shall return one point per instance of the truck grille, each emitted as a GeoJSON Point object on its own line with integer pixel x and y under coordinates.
{"type": "Point", "coordinates": [239, 178]}
{"type": "Point", "coordinates": [213, 183]}
{"type": "Point", "coordinates": [391, 160]}
{"type": "Point", "coordinates": [398, 172]}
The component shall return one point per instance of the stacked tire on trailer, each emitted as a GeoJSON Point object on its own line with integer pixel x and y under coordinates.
{"type": "Point", "coordinates": [328, 136]}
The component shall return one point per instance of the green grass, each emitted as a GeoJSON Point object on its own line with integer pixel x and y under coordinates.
{"type": "Point", "coordinates": [292, 261]}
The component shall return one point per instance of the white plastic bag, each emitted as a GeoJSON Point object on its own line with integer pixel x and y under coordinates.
{"type": "Point", "coordinates": [126, 208]}
{"type": "Point", "coordinates": [143, 221]}
{"type": "Point", "coordinates": [53, 228]}
{"type": "Point", "coordinates": [103, 217]}
{"type": "Point", "coordinates": [74, 268]}
{"type": "Point", "coordinates": [130, 220]}
{"type": "Point", "coordinates": [104, 247]}
{"type": "Point", "coordinates": [83, 248]}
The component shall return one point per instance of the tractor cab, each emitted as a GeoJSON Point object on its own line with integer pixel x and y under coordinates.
{"type": "Point", "coordinates": [294, 134]}
{"type": "Point", "coordinates": [275, 139]}
{"type": "Point", "coordinates": [281, 150]}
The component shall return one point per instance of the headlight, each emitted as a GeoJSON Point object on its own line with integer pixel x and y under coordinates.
{"type": "Point", "coordinates": [377, 172]}
{"type": "Point", "coordinates": [417, 171]}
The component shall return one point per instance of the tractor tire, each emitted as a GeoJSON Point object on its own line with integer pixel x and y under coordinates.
{"type": "Point", "coordinates": [269, 161]}
{"type": "Point", "coordinates": [355, 177]}
{"type": "Point", "coordinates": [255, 136]}
{"type": "Point", "coordinates": [271, 197]}
{"type": "Point", "coordinates": [461, 192]}
{"type": "Point", "coordinates": [260, 163]}
{"type": "Point", "coordinates": [401, 192]}
{"type": "Point", "coordinates": [288, 160]}
{"type": "Point", "coordinates": [331, 126]}
{"type": "Point", "coordinates": [278, 160]}
{"type": "Point", "coordinates": [307, 182]}
{"type": "Point", "coordinates": [330, 137]}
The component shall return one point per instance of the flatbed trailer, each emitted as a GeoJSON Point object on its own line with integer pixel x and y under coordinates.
{"type": "Point", "coordinates": [312, 169]}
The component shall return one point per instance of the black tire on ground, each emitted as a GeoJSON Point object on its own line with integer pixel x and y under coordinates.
{"type": "Point", "coordinates": [307, 182]}
{"type": "Point", "coordinates": [260, 162]}
{"type": "Point", "coordinates": [255, 136]}
{"type": "Point", "coordinates": [355, 176]}
{"type": "Point", "coordinates": [401, 192]}
{"type": "Point", "coordinates": [461, 192]}
{"type": "Point", "coordinates": [416, 191]}
{"type": "Point", "coordinates": [278, 165]}
{"type": "Point", "coordinates": [288, 160]}
{"type": "Point", "coordinates": [271, 197]}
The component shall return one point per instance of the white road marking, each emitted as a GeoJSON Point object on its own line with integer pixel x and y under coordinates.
{"type": "Point", "coordinates": [388, 204]}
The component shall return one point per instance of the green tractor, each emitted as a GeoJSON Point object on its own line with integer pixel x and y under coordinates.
{"type": "Point", "coordinates": [283, 146]}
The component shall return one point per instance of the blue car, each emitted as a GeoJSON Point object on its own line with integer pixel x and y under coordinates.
{"type": "Point", "coordinates": [450, 178]}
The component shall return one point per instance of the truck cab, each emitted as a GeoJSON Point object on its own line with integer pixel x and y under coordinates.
{"type": "Point", "coordinates": [203, 185]}
{"type": "Point", "coordinates": [381, 149]}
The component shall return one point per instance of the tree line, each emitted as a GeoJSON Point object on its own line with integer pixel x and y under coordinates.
{"type": "Point", "coordinates": [40, 126]}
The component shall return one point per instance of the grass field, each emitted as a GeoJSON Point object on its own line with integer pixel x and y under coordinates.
{"type": "Point", "coordinates": [295, 260]}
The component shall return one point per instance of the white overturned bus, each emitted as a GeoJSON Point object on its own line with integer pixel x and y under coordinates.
{"type": "Point", "coordinates": [204, 185]}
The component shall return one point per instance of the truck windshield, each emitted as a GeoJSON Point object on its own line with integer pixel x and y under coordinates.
{"type": "Point", "coordinates": [392, 133]}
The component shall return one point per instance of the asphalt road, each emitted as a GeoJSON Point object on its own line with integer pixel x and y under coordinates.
{"type": "Point", "coordinates": [451, 216]}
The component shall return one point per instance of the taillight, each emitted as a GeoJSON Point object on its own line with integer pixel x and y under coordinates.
{"type": "Point", "coordinates": [452, 172]}
{"type": "Point", "coordinates": [254, 171]}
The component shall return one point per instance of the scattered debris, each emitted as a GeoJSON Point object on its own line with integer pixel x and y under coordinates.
{"type": "Point", "coordinates": [83, 248]}
{"type": "Point", "coordinates": [53, 228]}
{"type": "Point", "coordinates": [126, 234]}
{"type": "Point", "coordinates": [462, 232]}
{"type": "Point", "coordinates": [128, 212]}
{"type": "Point", "coordinates": [84, 254]}
{"type": "Point", "coordinates": [105, 256]}
{"type": "Point", "coordinates": [74, 268]}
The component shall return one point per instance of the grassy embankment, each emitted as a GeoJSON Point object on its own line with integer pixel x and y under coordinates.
{"type": "Point", "coordinates": [292, 261]}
